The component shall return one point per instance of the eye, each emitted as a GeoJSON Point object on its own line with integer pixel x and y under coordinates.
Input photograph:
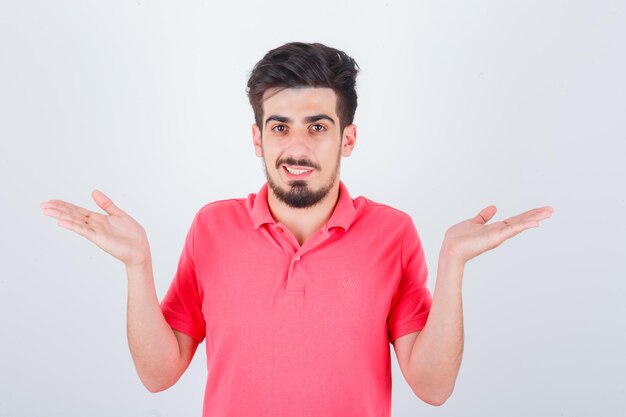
{"type": "Point", "coordinates": [279, 128]}
{"type": "Point", "coordinates": [318, 128]}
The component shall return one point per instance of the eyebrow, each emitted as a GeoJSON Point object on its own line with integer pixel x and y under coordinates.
{"type": "Point", "coordinates": [308, 119]}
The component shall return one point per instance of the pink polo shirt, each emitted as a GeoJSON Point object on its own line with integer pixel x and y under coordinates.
{"type": "Point", "coordinates": [292, 330]}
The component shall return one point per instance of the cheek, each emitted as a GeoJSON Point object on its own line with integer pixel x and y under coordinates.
{"type": "Point", "coordinates": [270, 155]}
{"type": "Point", "coordinates": [273, 150]}
{"type": "Point", "coordinates": [331, 154]}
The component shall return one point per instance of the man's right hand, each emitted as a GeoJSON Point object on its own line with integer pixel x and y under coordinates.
{"type": "Point", "coordinates": [116, 233]}
{"type": "Point", "coordinates": [160, 353]}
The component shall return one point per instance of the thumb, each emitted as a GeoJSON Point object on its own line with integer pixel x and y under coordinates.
{"type": "Point", "coordinates": [105, 203]}
{"type": "Point", "coordinates": [485, 214]}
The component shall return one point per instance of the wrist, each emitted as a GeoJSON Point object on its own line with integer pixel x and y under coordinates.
{"type": "Point", "coordinates": [449, 271]}
{"type": "Point", "coordinates": [140, 263]}
{"type": "Point", "coordinates": [450, 256]}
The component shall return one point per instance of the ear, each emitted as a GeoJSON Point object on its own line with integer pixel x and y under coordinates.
{"type": "Point", "coordinates": [348, 140]}
{"type": "Point", "coordinates": [256, 140]}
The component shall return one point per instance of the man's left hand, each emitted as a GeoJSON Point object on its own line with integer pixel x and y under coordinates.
{"type": "Point", "coordinates": [472, 237]}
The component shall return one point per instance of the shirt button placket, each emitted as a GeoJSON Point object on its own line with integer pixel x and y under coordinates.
{"type": "Point", "coordinates": [297, 277]}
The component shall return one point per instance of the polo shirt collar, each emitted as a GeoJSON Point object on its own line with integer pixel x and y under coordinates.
{"type": "Point", "coordinates": [343, 214]}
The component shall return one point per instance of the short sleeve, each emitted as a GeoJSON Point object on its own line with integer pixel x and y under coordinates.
{"type": "Point", "coordinates": [411, 303]}
{"type": "Point", "coordinates": [182, 304]}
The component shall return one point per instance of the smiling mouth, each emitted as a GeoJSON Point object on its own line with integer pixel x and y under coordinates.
{"type": "Point", "coordinates": [297, 171]}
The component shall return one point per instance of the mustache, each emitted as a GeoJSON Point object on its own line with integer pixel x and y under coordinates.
{"type": "Point", "coordinates": [297, 162]}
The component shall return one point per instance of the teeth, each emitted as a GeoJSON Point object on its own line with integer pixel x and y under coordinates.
{"type": "Point", "coordinates": [297, 171]}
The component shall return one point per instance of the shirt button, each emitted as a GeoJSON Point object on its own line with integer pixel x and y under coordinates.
{"type": "Point", "coordinates": [279, 229]}
{"type": "Point", "coordinates": [297, 258]}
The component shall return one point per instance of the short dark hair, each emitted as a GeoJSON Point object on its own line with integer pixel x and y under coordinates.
{"type": "Point", "coordinates": [298, 64]}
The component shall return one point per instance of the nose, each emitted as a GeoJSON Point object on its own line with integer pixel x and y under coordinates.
{"type": "Point", "coordinates": [299, 145]}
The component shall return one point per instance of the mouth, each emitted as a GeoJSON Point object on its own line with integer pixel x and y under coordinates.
{"type": "Point", "coordinates": [297, 172]}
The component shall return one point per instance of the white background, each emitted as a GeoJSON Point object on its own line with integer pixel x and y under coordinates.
{"type": "Point", "coordinates": [461, 105]}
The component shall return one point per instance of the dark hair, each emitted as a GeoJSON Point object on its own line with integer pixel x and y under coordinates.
{"type": "Point", "coordinates": [298, 64]}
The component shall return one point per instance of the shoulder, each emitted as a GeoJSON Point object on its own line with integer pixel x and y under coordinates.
{"type": "Point", "coordinates": [222, 205]}
{"type": "Point", "coordinates": [221, 211]}
{"type": "Point", "coordinates": [381, 213]}
{"type": "Point", "coordinates": [392, 224]}
{"type": "Point", "coordinates": [386, 226]}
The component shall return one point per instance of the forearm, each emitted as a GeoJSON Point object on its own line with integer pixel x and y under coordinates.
{"type": "Point", "coordinates": [436, 355]}
{"type": "Point", "coordinates": [152, 342]}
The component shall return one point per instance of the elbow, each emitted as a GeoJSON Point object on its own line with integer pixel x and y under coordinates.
{"type": "Point", "coordinates": [155, 387]}
{"type": "Point", "coordinates": [157, 379]}
{"type": "Point", "coordinates": [436, 401]}
{"type": "Point", "coordinates": [434, 397]}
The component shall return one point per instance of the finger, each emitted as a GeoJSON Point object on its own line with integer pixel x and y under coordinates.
{"type": "Point", "coordinates": [59, 211]}
{"type": "Point", "coordinates": [105, 203]}
{"type": "Point", "coordinates": [66, 211]}
{"type": "Point", "coordinates": [64, 206]}
{"type": "Point", "coordinates": [542, 215]}
{"type": "Point", "coordinates": [534, 214]}
{"type": "Point", "coordinates": [539, 213]}
{"type": "Point", "coordinates": [52, 212]}
{"type": "Point", "coordinates": [485, 214]}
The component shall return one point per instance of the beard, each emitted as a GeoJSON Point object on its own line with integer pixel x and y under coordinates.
{"type": "Point", "coordinates": [299, 194]}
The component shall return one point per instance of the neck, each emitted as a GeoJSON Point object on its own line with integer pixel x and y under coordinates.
{"type": "Point", "coordinates": [303, 222]}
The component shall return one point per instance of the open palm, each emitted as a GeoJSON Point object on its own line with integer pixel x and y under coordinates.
{"type": "Point", "coordinates": [474, 236]}
{"type": "Point", "coordinates": [116, 232]}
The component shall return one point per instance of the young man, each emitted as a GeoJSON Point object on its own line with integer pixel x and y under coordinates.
{"type": "Point", "coordinates": [299, 288]}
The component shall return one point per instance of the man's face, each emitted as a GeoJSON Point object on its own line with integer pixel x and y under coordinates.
{"type": "Point", "coordinates": [301, 144]}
